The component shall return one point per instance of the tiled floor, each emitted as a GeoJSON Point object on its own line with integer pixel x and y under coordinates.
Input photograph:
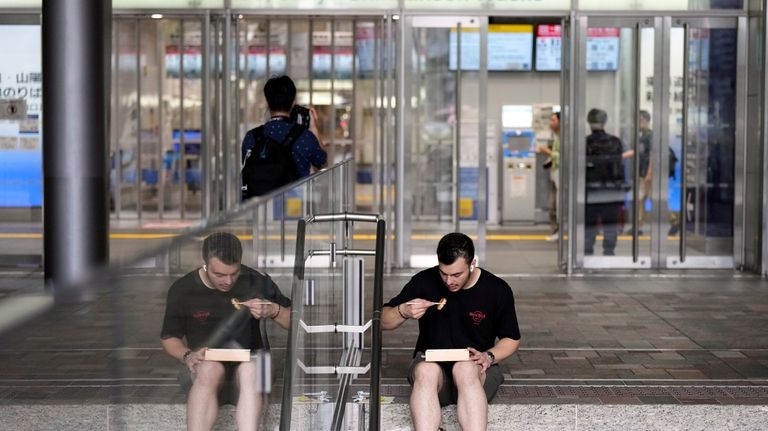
{"type": "Point", "coordinates": [599, 340]}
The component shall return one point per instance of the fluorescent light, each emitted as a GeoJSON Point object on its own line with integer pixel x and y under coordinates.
{"type": "Point", "coordinates": [156, 16]}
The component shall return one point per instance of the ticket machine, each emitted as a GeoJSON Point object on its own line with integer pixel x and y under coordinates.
{"type": "Point", "coordinates": [518, 164]}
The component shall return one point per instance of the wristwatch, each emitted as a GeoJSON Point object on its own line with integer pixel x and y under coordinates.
{"type": "Point", "coordinates": [185, 356]}
{"type": "Point", "coordinates": [491, 356]}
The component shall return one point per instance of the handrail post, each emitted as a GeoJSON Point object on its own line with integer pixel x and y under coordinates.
{"type": "Point", "coordinates": [376, 338]}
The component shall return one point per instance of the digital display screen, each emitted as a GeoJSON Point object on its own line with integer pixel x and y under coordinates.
{"type": "Point", "coordinates": [516, 116]}
{"type": "Point", "coordinates": [602, 48]}
{"type": "Point", "coordinates": [510, 48]}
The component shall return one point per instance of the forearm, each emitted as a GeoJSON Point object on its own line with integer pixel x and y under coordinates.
{"type": "Point", "coordinates": [391, 318]}
{"type": "Point", "coordinates": [504, 348]}
{"type": "Point", "coordinates": [283, 317]}
{"type": "Point", "coordinates": [175, 347]}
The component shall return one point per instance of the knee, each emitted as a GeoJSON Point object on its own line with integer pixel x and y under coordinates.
{"type": "Point", "coordinates": [209, 374]}
{"type": "Point", "coordinates": [247, 374]}
{"type": "Point", "coordinates": [465, 373]}
{"type": "Point", "coordinates": [426, 373]}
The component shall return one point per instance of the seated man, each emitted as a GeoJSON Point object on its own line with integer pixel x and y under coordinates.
{"type": "Point", "coordinates": [200, 314]}
{"type": "Point", "coordinates": [479, 308]}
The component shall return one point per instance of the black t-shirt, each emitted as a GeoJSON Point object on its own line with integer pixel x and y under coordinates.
{"type": "Point", "coordinates": [472, 317]}
{"type": "Point", "coordinates": [195, 311]}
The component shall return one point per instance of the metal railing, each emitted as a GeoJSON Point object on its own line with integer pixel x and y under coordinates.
{"type": "Point", "coordinates": [349, 363]}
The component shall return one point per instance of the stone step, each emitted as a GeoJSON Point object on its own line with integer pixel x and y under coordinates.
{"type": "Point", "coordinates": [396, 417]}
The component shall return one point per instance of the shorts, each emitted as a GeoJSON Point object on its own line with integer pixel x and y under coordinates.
{"type": "Point", "coordinates": [228, 393]}
{"type": "Point", "coordinates": [449, 394]}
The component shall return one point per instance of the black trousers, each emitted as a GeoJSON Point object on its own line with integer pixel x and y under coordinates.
{"type": "Point", "coordinates": [605, 215]}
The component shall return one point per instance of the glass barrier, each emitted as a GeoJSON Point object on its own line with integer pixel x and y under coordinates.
{"type": "Point", "coordinates": [233, 284]}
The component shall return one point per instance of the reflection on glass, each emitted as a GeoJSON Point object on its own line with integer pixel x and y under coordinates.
{"type": "Point", "coordinates": [706, 196]}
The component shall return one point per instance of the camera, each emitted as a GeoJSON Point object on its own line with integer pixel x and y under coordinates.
{"type": "Point", "coordinates": [300, 115]}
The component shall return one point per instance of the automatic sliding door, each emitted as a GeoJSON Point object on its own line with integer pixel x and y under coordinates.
{"type": "Point", "coordinates": [704, 104]}
{"type": "Point", "coordinates": [614, 141]}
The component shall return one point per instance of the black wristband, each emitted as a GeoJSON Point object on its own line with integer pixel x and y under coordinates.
{"type": "Point", "coordinates": [278, 312]}
{"type": "Point", "coordinates": [185, 356]}
{"type": "Point", "coordinates": [401, 313]}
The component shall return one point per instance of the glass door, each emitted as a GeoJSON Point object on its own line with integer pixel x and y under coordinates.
{"type": "Point", "coordinates": [705, 100]}
{"type": "Point", "coordinates": [616, 61]}
{"type": "Point", "coordinates": [445, 66]}
{"type": "Point", "coordinates": [657, 138]}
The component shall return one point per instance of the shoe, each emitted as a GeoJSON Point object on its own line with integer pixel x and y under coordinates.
{"type": "Point", "coordinates": [553, 238]}
{"type": "Point", "coordinates": [673, 230]}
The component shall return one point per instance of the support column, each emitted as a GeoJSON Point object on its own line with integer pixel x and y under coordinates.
{"type": "Point", "coordinates": [76, 38]}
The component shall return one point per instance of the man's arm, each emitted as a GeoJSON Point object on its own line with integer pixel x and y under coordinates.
{"type": "Point", "coordinates": [503, 349]}
{"type": "Point", "coordinates": [174, 347]}
{"type": "Point", "coordinates": [393, 317]}
{"type": "Point", "coordinates": [264, 309]}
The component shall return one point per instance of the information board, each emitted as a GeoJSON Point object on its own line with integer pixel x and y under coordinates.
{"type": "Point", "coordinates": [510, 48]}
{"type": "Point", "coordinates": [602, 48]}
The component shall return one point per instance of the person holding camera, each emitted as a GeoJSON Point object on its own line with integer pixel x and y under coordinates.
{"type": "Point", "coordinates": [286, 147]}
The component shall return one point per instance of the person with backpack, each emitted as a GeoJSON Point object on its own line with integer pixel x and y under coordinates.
{"type": "Point", "coordinates": [281, 150]}
{"type": "Point", "coordinates": [605, 185]}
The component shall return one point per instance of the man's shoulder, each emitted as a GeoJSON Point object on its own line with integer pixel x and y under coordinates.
{"type": "Point", "coordinates": [184, 284]}
{"type": "Point", "coordinates": [494, 281]}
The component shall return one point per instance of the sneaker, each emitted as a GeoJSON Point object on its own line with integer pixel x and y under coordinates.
{"type": "Point", "coordinates": [552, 238]}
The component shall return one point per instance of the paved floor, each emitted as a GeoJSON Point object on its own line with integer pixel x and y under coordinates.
{"type": "Point", "coordinates": [595, 339]}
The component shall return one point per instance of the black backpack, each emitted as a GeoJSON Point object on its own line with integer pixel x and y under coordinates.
{"type": "Point", "coordinates": [604, 165]}
{"type": "Point", "coordinates": [672, 162]}
{"type": "Point", "coordinates": [269, 164]}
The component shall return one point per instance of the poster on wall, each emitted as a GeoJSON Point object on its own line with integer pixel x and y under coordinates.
{"type": "Point", "coordinates": [21, 160]}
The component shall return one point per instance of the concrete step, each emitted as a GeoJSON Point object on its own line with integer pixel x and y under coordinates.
{"type": "Point", "coordinates": [396, 417]}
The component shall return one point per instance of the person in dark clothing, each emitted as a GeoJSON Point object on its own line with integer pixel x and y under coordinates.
{"type": "Point", "coordinates": [478, 315]}
{"type": "Point", "coordinates": [605, 184]}
{"type": "Point", "coordinates": [308, 150]}
{"type": "Point", "coordinates": [200, 314]}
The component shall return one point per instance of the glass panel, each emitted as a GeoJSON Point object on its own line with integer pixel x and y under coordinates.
{"type": "Point", "coordinates": [171, 189]}
{"type": "Point", "coordinates": [150, 159]}
{"type": "Point", "coordinates": [610, 107]}
{"type": "Point", "coordinates": [669, 5]}
{"type": "Point", "coordinates": [124, 178]}
{"type": "Point", "coordinates": [363, 111]}
{"type": "Point", "coordinates": [705, 189]}
{"type": "Point", "coordinates": [434, 95]}
{"type": "Point", "coordinates": [21, 157]}
{"type": "Point", "coordinates": [188, 143]}
{"type": "Point", "coordinates": [315, 4]}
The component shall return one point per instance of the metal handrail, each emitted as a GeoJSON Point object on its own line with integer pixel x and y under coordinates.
{"type": "Point", "coordinates": [375, 322]}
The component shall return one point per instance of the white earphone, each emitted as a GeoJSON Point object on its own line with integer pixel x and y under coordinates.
{"type": "Point", "coordinates": [205, 268]}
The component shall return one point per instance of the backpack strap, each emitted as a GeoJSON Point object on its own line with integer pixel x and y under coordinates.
{"type": "Point", "coordinates": [293, 135]}
{"type": "Point", "coordinates": [257, 135]}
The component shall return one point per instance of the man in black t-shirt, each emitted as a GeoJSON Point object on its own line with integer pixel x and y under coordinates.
{"type": "Point", "coordinates": [479, 310]}
{"type": "Point", "coordinates": [200, 314]}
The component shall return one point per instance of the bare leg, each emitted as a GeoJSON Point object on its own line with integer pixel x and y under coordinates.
{"type": "Point", "coordinates": [425, 406]}
{"type": "Point", "coordinates": [249, 401]}
{"type": "Point", "coordinates": [202, 403]}
{"type": "Point", "coordinates": [472, 406]}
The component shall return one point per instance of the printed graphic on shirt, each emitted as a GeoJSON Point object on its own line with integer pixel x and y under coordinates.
{"type": "Point", "coordinates": [477, 316]}
{"type": "Point", "coordinates": [201, 316]}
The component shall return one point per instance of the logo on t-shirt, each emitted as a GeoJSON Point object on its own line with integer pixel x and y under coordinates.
{"type": "Point", "coordinates": [477, 317]}
{"type": "Point", "coordinates": [201, 316]}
